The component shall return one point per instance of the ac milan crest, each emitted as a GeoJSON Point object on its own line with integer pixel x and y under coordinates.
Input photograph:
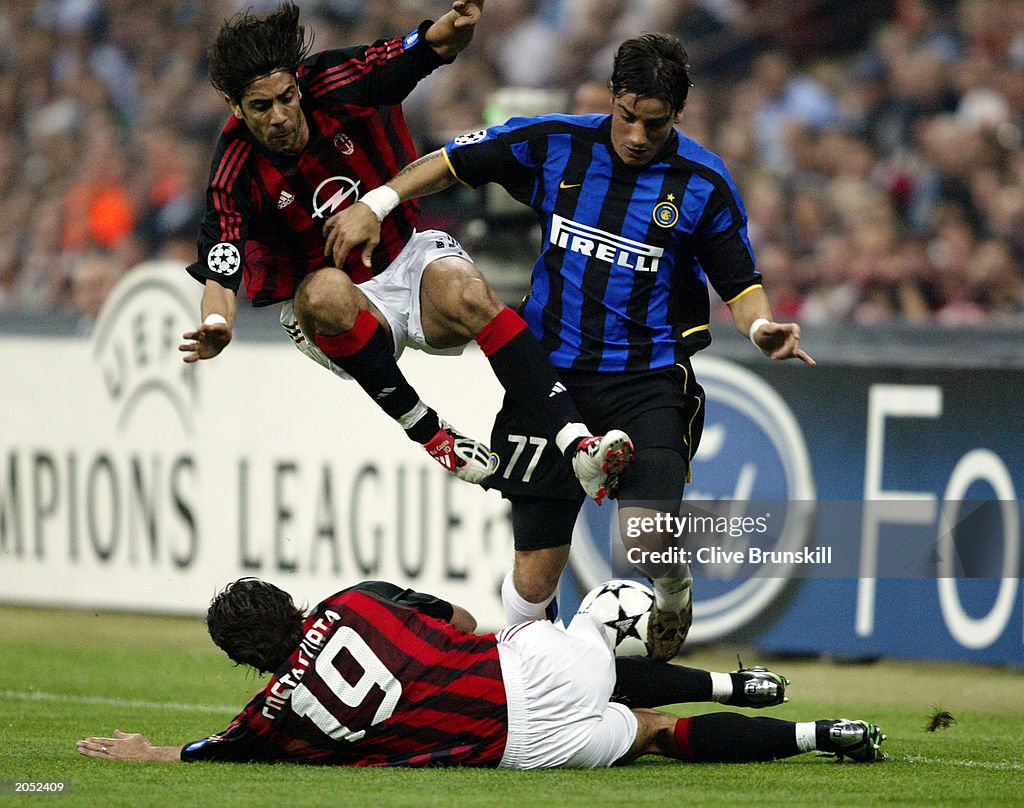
{"type": "Point", "coordinates": [344, 143]}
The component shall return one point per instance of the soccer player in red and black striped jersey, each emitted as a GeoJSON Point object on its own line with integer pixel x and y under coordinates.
{"type": "Point", "coordinates": [380, 676]}
{"type": "Point", "coordinates": [309, 136]}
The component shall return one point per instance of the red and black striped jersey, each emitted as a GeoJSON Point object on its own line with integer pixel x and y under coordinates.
{"type": "Point", "coordinates": [265, 211]}
{"type": "Point", "coordinates": [379, 679]}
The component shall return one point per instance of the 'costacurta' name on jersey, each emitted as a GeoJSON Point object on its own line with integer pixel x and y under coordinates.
{"type": "Point", "coordinates": [628, 252]}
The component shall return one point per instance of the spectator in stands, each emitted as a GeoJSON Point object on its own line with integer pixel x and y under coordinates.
{"type": "Point", "coordinates": [928, 99]}
{"type": "Point", "coordinates": [93, 277]}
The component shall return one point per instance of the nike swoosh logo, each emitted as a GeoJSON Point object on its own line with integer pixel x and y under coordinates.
{"type": "Point", "coordinates": [563, 185]}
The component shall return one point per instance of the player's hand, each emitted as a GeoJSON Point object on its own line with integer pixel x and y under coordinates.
{"type": "Point", "coordinates": [781, 341]}
{"type": "Point", "coordinates": [205, 342]}
{"type": "Point", "coordinates": [123, 746]}
{"type": "Point", "coordinates": [349, 229]}
{"type": "Point", "coordinates": [469, 12]}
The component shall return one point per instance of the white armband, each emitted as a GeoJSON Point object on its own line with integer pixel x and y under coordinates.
{"type": "Point", "coordinates": [381, 201]}
{"type": "Point", "coordinates": [755, 327]}
{"type": "Point", "coordinates": [215, 319]}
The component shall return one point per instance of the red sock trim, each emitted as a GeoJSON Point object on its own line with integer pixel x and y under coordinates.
{"type": "Point", "coordinates": [682, 737]}
{"type": "Point", "coordinates": [500, 331]}
{"type": "Point", "coordinates": [351, 341]}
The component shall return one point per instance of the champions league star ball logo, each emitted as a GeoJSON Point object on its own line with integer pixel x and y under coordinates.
{"type": "Point", "coordinates": [224, 259]}
{"type": "Point", "coordinates": [752, 458]}
{"type": "Point", "coordinates": [470, 138]}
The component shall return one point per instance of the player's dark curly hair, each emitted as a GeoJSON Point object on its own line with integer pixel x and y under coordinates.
{"type": "Point", "coordinates": [255, 623]}
{"type": "Point", "coordinates": [652, 66]}
{"type": "Point", "coordinates": [249, 47]}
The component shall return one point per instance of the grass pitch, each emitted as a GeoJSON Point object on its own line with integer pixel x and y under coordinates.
{"type": "Point", "coordinates": [66, 675]}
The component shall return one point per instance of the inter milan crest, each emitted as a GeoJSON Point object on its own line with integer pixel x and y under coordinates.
{"type": "Point", "coordinates": [666, 214]}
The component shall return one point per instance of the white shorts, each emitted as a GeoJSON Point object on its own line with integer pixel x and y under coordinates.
{"type": "Point", "coordinates": [558, 682]}
{"type": "Point", "coordinates": [396, 294]}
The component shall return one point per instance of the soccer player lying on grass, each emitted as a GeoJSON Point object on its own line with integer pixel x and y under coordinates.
{"type": "Point", "coordinates": [377, 675]}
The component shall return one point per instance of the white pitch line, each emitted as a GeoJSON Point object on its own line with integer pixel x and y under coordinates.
{"type": "Point", "coordinates": [37, 695]}
{"type": "Point", "coordinates": [1005, 765]}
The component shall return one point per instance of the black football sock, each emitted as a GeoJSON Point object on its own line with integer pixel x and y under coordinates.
{"type": "Point", "coordinates": [733, 738]}
{"type": "Point", "coordinates": [365, 353]}
{"type": "Point", "coordinates": [530, 379]}
{"type": "Point", "coordinates": [643, 682]}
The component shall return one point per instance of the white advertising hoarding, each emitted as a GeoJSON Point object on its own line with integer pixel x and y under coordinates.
{"type": "Point", "coordinates": [130, 480]}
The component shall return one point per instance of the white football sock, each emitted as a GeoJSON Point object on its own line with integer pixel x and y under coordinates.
{"type": "Point", "coordinates": [672, 594]}
{"type": "Point", "coordinates": [517, 608]}
{"type": "Point", "coordinates": [414, 415]}
{"type": "Point", "coordinates": [721, 686]}
{"type": "Point", "coordinates": [570, 434]}
{"type": "Point", "coordinates": [806, 736]}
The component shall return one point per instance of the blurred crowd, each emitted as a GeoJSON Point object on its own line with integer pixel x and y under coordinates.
{"type": "Point", "coordinates": [877, 143]}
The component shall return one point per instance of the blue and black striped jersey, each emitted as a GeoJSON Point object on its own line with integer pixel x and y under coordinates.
{"type": "Point", "coordinates": [621, 282]}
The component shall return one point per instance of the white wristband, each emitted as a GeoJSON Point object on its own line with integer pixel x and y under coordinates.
{"type": "Point", "coordinates": [381, 201]}
{"type": "Point", "coordinates": [755, 327]}
{"type": "Point", "coordinates": [215, 319]}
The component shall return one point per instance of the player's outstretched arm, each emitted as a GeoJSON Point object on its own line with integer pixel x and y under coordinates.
{"type": "Point", "coordinates": [454, 30]}
{"type": "Point", "coordinates": [127, 746]}
{"type": "Point", "coordinates": [218, 309]}
{"type": "Point", "coordinates": [359, 225]}
{"type": "Point", "coordinates": [752, 316]}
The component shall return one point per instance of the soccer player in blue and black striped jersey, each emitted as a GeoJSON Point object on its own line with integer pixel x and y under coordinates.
{"type": "Point", "coordinates": [638, 220]}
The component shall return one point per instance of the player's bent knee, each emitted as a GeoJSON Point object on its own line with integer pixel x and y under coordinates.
{"type": "Point", "coordinates": [479, 302]}
{"type": "Point", "coordinates": [654, 735]}
{"type": "Point", "coordinates": [535, 583]}
{"type": "Point", "coordinates": [535, 591]}
{"type": "Point", "coordinates": [327, 301]}
{"type": "Point", "coordinates": [460, 294]}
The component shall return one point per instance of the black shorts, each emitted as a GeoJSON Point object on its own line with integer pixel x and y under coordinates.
{"type": "Point", "coordinates": [661, 408]}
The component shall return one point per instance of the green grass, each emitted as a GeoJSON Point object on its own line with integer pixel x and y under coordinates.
{"type": "Point", "coordinates": [65, 675]}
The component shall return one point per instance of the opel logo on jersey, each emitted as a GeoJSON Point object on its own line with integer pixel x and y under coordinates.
{"type": "Point", "coordinates": [344, 143]}
{"type": "Point", "coordinates": [607, 247]}
{"type": "Point", "coordinates": [224, 259]}
{"type": "Point", "coordinates": [666, 214]}
{"type": "Point", "coordinates": [343, 189]}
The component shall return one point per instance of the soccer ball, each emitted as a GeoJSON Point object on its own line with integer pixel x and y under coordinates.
{"type": "Point", "coordinates": [623, 609]}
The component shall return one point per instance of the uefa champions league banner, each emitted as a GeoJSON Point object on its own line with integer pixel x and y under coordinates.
{"type": "Point", "coordinates": [851, 510]}
{"type": "Point", "coordinates": [130, 480]}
